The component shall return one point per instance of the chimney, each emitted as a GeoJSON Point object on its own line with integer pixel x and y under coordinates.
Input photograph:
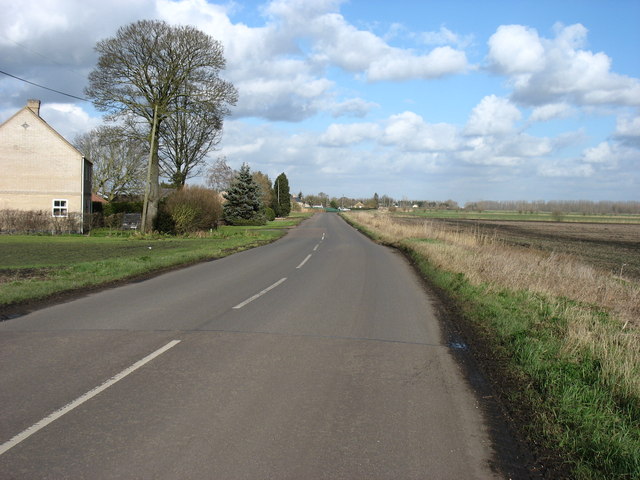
{"type": "Point", "coordinates": [34, 106]}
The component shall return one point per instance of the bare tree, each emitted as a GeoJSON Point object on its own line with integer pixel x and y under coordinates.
{"type": "Point", "coordinates": [220, 176]}
{"type": "Point", "coordinates": [119, 161]}
{"type": "Point", "coordinates": [187, 136]}
{"type": "Point", "coordinates": [144, 70]}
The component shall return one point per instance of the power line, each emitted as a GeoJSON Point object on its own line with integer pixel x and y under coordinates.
{"type": "Point", "coordinates": [42, 86]}
{"type": "Point", "coordinates": [43, 56]}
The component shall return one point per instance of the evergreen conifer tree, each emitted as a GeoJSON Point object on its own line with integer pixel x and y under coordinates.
{"type": "Point", "coordinates": [243, 206]}
{"type": "Point", "coordinates": [281, 196]}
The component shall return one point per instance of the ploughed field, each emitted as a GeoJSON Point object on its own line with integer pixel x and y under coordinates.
{"type": "Point", "coordinates": [609, 247]}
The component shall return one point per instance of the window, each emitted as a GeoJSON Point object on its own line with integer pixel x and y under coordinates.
{"type": "Point", "coordinates": [60, 208]}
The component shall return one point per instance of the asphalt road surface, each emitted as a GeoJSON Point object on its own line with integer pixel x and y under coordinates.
{"type": "Point", "coordinates": [318, 356]}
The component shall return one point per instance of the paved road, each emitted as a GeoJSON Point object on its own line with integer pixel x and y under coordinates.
{"type": "Point", "coordinates": [317, 356]}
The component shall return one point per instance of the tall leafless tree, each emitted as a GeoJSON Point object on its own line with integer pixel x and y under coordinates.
{"type": "Point", "coordinates": [187, 136]}
{"type": "Point", "coordinates": [220, 175]}
{"type": "Point", "coordinates": [144, 71]}
{"type": "Point", "coordinates": [119, 161]}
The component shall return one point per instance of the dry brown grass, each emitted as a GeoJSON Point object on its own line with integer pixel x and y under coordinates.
{"type": "Point", "coordinates": [483, 259]}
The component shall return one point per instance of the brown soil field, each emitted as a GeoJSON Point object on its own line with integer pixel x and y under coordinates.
{"type": "Point", "coordinates": [610, 247]}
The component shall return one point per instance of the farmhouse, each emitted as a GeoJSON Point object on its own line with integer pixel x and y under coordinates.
{"type": "Point", "coordinates": [41, 171]}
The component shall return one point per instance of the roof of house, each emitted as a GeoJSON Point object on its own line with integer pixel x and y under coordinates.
{"type": "Point", "coordinates": [42, 120]}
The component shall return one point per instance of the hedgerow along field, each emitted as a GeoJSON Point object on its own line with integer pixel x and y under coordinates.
{"type": "Point", "coordinates": [36, 267]}
{"type": "Point", "coordinates": [559, 337]}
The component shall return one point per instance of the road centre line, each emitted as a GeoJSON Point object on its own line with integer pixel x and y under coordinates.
{"type": "Point", "coordinates": [316, 247]}
{"type": "Point", "coordinates": [304, 261]}
{"type": "Point", "coordinates": [258, 295]}
{"type": "Point", "coordinates": [82, 399]}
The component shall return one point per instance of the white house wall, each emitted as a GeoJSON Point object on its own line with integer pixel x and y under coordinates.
{"type": "Point", "coordinates": [37, 166]}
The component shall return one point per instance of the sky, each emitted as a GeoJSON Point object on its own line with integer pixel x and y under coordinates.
{"type": "Point", "coordinates": [419, 100]}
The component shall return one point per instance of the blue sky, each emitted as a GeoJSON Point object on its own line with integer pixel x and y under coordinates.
{"type": "Point", "coordinates": [462, 100]}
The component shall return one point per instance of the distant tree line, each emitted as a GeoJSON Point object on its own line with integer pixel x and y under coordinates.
{"type": "Point", "coordinates": [377, 201]}
{"type": "Point", "coordinates": [585, 207]}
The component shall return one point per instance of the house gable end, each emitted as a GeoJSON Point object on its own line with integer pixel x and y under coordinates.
{"type": "Point", "coordinates": [40, 169]}
{"type": "Point", "coordinates": [25, 118]}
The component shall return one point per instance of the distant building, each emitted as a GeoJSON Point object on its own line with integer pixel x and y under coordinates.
{"type": "Point", "coordinates": [40, 170]}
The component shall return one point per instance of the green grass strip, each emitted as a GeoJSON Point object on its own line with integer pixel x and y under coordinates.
{"type": "Point", "coordinates": [36, 267]}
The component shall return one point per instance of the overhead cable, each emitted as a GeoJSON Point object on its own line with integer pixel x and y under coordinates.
{"type": "Point", "coordinates": [42, 86]}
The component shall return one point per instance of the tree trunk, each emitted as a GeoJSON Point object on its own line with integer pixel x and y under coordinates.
{"type": "Point", "coordinates": [152, 190]}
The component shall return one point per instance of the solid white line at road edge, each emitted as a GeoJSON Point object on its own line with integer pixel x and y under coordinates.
{"type": "Point", "coordinates": [258, 295]}
{"type": "Point", "coordinates": [80, 400]}
{"type": "Point", "coordinates": [304, 261]}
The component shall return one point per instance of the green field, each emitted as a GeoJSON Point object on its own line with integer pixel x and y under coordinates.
{"type": "Point", "coordinates": [524, 216]}
{"type": "Point", "coordinates": [35, 267]}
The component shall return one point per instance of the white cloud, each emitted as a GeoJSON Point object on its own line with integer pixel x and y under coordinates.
{"type": "Point", "coordinates": [67, 119]}
{"type": "Point", "coordinates": [293, 99]}
{"type": "Point", "coordinates": [354, 107]}
{"type": "Point", "coordinates": [279, 80]}
{"type": "Point", "coordinates": [598, 160]}
{"type": "Point", "coordinates": [340, 135]}
{"type": "Point", "coordinates": [493, 116]}
{"type": "Point", "coordinates": [628, 126]}
{"type": "Point", "coordinates": [336, 42]}
{"type": "Point", "coordinates": [487, 151]}
{"type": "Point", "coordinates": [609, 155]}
{"type": "Point", "coordinates": [516, 49]}
{"type": "Point", "coordinates": [547, 71]}
{"type": "Point", "coordinates": [602, 153]}
{"type": "Point", "coordinates": [551, 111]}
{"type": "Point", "coordinates": [525, 146]}
{"type": "Point", "coordinates": [563, 170]}
{"type": "Point", "coordinates": [444, 36]}
{"type": "Point", "coordinates": [628, 131]}
{"type": "Point", "coordinates": [398, 64]}
{"type": "Point", "coordinates": [410, 133]}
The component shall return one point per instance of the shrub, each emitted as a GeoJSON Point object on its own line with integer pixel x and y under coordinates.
{"type": "Point", "coordinates": [97, 219]}
{"type": "Point", "coordinates": [163, 222]}
{"type": "Point", "coordinates": [270, 214]}
{"type": "Point", "coordinates": [112, 208]}
{"type": "Point", "coordinates": [114, 221]}
{"type": "Point", "coordinates": [38, 221]}
{"type": "Point", "coordinates": [255, 221]}
{"type": "Point", "coordinates": [192, 209]}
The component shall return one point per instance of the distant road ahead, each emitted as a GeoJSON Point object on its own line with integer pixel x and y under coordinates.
{"type": "Point", "coordinates": [317, 356]}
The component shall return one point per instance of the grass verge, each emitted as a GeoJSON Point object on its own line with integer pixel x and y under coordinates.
{"type": "Point", "coordinates": [38, 267]}
{"type": "Point", "coordinates": [570, 368]}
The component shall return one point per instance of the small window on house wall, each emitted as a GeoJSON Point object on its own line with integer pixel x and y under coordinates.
{"type": "Point", "coordinates": [60, 208]}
